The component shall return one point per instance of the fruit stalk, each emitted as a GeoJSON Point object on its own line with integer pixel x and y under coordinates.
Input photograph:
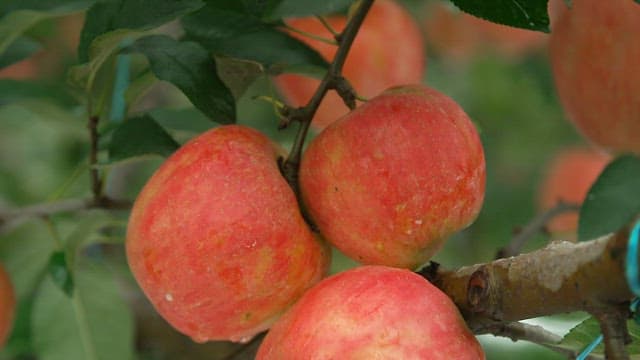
{"type": "Point", "coordinates": [331, 80]}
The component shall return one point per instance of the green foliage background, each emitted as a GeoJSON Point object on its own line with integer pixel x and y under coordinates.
{"type": "Point", "coordinates": [44, 150]}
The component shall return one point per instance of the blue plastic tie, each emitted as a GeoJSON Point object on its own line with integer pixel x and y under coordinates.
{"type": "Point", "coordinates": [583, 355]}
{"type": "Point", "coordinates": [121, 83]}
{"type": "Point", "coordinates": [633, 280]}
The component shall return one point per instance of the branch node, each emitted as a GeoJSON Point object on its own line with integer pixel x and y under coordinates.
{"type": "Point", "coordinates": [345, 90]}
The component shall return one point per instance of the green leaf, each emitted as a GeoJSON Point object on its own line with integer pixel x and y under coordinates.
{"type": "Point", "coordinates": [95, 323]}
{"type": "Point", "coordinates": [613, 200]}
{"type": "Point", "coordinates": [238, 74]}
{"type": "Point", "coordinates": [102, 49]}
{"type": "Point", "coordinates": [584, 333]}
{"type": "Point", "coordinates": [86, 233]}
{"type": "Point", "coordinates": [56, 7]}
{"type": "Point", "coordinates": [227, 31]}
{"type": "Point", "coordinates": [104, 17]}
{"type": "Point", "coordinates": [259, 8]}
{"type": "Point", "coordinates": [189, 67]}
{"type": "Point", "coordinates": [140, 136]}
{"type": "Point", "coordinates": [525, 14]}
{"type": "Point", "coordinates": [20, 49]}
{"type": "Point", "coordinates": [25, 252]}
{"type": "Point", "coordinates": [60, 273]}
{"type": "Point", "coordinates": [299, 8]}
{"type": "Point", "coordinates": [187, 120]}
{"type": "Point", "coordinates": [17, 16]}
{"type": "Point", "coordinates": [16, 90]}
{"type": "Point", "coordinates": [139, 87]}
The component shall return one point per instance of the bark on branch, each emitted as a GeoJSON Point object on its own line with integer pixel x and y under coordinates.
{"type": "Point", "coordinates": [562, 277]}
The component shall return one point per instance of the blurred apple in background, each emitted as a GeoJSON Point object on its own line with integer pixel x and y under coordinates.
{"type": "Point", "coordinates": [7, 305]}
{"type": "Point", "coordinates": [568, 178]}
{"type": "Point", "coordinates": [595, 52]}
{"type": "Point", "coordinates": [456, 35]}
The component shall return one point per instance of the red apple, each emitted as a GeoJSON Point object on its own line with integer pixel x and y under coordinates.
{"type": "Point", "coordinates": [216, 240]}
{"type": "Point", "coordinates": [568, 178]}
{"type": "Point", "coordinates": [387, 51]}
{"type": "Point", "coordinates": [7, 305]}
{"type": "Point", "coordinates": [594, 51]}
{"type": "Point", "coordinates": [22, 70]}
{"type": "Point", "coordinates": [372, 312]}
{"type": "Point", "coordinates": [389, 182]}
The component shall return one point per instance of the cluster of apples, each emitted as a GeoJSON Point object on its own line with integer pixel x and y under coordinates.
{"type": "Point", "coordinates": [594, 54]}
{"type": "Point", "coordinates": [217, 242]}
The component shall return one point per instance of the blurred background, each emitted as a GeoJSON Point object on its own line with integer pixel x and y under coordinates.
{"type": "Point", "coordinates": [500, 76]}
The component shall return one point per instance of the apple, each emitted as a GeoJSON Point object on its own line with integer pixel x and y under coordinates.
{"type": "Point", "coordinates": [594, 51]}
{"type": "Point", "coordinates": [460, 36]}
{"type": "Point", "coordinates": [387, 51]}
{"type": "Point", "coordinates": [21, 70]}
{"type": "Point", "coordinates": [216, 240]}
{"type": "Point", "coordinates": [568, 178]}
{"type": "Point", "coordinates": [7, 305]}
{"type": "Point", "coordinates": [372, 312]}
{"type": "Point", "coordinates": [390, 181]}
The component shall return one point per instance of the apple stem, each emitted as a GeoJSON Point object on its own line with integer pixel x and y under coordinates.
{"type": "Point", "coordinates": [333, 79]}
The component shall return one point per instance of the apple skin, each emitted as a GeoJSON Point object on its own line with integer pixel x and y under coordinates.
{"type": "Point", "coordinates": [22, 70]}
{"type": "Point", "coordinates": [459, 36]}
{"type": "Point", "coordinates": [388, 50]}
{"type": "Point", "coordinates": [594, 51]}
{"type": "Point", "coordinates": [568, 178]}
{"type": "Point", "coordinates": [216, 240]}
{"type": "Point", "coordinates": [390, 181]}
{"type": "Point", "coordinates": [372, 312]}
{"type": "Point", "coordinates": [7, 305]}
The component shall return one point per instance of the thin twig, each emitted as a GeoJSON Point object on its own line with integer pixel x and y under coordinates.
{"type": "Point", "coordinates": [613, 324]}
{"type": "Point", "coordinates": [96, 182]}
{"type": "Point", "coordinates": [328, 26]}
{"type": "Point", "coordinates": [310, 35]}
{"type": "Point", "coordinates": [535, 226]}
{"type": "Point", "coordinates": [9, 219]}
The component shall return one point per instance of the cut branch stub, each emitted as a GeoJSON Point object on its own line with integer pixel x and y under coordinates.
{"type": "Point", "coordinates": [478, 289]}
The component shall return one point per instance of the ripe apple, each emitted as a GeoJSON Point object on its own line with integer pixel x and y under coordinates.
{"type": "Point", "coordinates": [216, 240]}
{"type": "Point", "coordinates": [568, 178]}
{"type": "Point", "coordinates": [387, 51]}
{"type": "Point", "coordinates": [390, 181]}
{"type": "Point", "coordinates": [7, 305]}
{"type": "Point", "coordinates": [21, 70]}
{"type": "Point", "coordinates": [594, 52]}
{"type": "Point", "coordinates": [372, 312]}
{"type": "Point", "coordinates": [460, 36]}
